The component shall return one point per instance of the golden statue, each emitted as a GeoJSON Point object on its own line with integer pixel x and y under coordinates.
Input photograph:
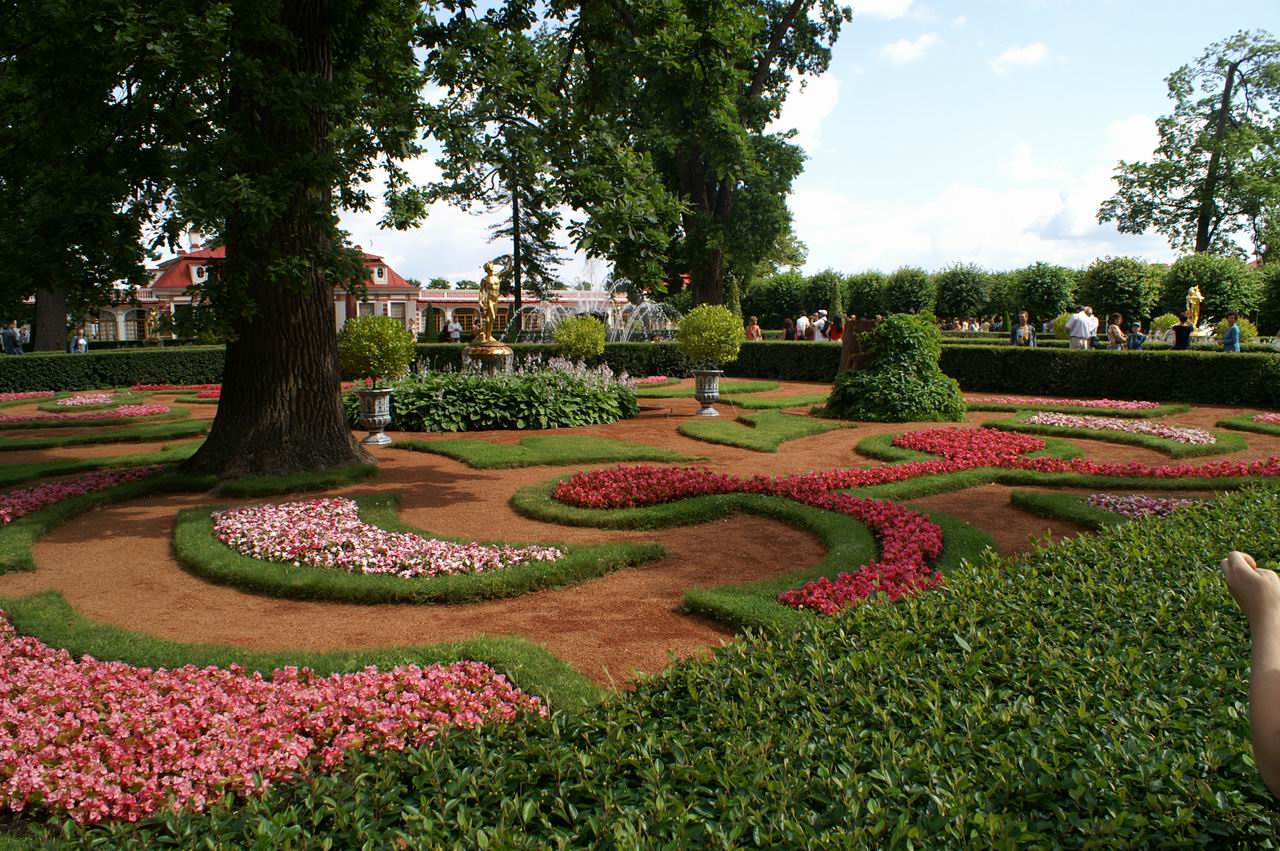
{"type": "Point", "coordinates": [1194, 299]}
{"type": "Point", "coordinates": [489, 288]}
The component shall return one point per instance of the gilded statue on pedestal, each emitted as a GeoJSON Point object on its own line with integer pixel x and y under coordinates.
{"type": "Point", "coordinates": [489, 289]}
{"type": "Point", "coordinates": [1194, 299]}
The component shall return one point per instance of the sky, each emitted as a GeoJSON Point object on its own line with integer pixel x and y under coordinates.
{"type": "Point", "coordinates": [944, 132]}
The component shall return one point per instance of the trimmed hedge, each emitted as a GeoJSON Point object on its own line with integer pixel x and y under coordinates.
{"type": "Point", "coordinates": [122, 368]}
{"type": "Point", "coordinates": [1087, 696]}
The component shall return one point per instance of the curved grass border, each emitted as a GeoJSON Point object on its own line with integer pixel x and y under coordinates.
{"type": "Point", "coordinates": [1225, 442]}
{"type": "Point", "coordinates": [1163, 410]}
{"type": "Point", "coordinates": [1245, 422]}
{"type": "Point", "coordinates": [199, 550]}
{"type": "Point", "coordinates": [124, 398]}
{"type": "Point", "coordinates": [194, 400]}
{"type": "Point", "coordinates": [143, 433]}
{"type": "Point", "coordinates": [764, 431]}
{"type": "Point", "coordinates": [35, 400]}
{"type": "Point", "coordinates": [15, 474]}
{"type": "Point", "coordinates": [48, 617]}
{"type": "Point", "coordinates": [668, 383]}
{"type": "Point", "coordinates": [174, 413]}
{"type": "Point", "coordinates": [542, 450]}
{"type": "Point", "coordinates": [761, 403]}
{"type": "Point", "coordinates": [740, 385]}
{"type": "Point", "coordinates": [315, 480]}
{"type": "Point", "coordinates": [751, 604]}
{"type": "Point", "coordinates": [1066, 506]}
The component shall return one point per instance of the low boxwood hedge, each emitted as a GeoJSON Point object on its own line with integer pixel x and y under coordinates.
{"type": "Point", "coordinates": [120, 368]}
{"type": "Point", "coordinates": [1088, 695]}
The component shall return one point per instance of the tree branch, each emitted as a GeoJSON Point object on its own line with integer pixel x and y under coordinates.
{"type": "Point", "coordinates": [776, 37]}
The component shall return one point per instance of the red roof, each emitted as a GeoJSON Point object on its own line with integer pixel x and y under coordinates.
{"type": "Point", "coordinates": [175, 273]}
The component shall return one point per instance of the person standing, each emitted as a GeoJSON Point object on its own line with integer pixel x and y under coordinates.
{"type": "Point", "coordinates": [453, 330]}
{"type": "Point", "coordinates": [836, 329]}
{"type": "Point", "coordinates": [1078, 329]}
{"type": "Point", "coordinates": [1231, 337]}
{"type": "Point", "coordinates": [1115, 336]}
{"type": "Point", "coordinates": [9, 339]}
{"type": "Point", "coordinates": [1182, 332]}
{"type": "Point", "coordinates": [1093, 326]}
{"type": "Point", "coordinates": [802, 327]}
{"type": "Point", "coordinates": [788, 329]}
{"type": "Point", "coordinates": [1136, 337]}
{"type": "Point", "coordinates": [80, 345]}
{"type": "Point", "coordinates": [753, 331]}
{"type": "Point", "coordinates": [1024, 333]}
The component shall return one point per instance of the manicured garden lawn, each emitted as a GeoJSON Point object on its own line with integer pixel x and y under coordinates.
{"type": "Point", "coordinates": [1103, 676]}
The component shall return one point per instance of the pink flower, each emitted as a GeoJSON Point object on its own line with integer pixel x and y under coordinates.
{"type": "Point", "coordinates": [1269, 419]}
{"type": "Point", "coordinates": [652, 379]}
{"type": "Point", "coordinates": [1178, 434]}
{"type": "Point", "coordinates": [85, 399]}
{"type": "Point", "coordinates": [1137, 505]}
{"type": "Point", "coordinates": [147, 410]}
{"type": "Point", "coordinates": [1033, 401]}
{"type": "Point", "coordinates": [16, 503]}
{"type": "Point", "coordinates": [26, 394]}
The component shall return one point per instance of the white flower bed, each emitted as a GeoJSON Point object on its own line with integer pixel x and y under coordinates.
{"type": "Point", "coordinates": [1179, 434]}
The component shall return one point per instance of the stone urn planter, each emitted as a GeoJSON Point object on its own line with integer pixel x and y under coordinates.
{"type": "Point", "coordinates": [375, 414]}
{"type": "Point", "coordinates": [706, 389]}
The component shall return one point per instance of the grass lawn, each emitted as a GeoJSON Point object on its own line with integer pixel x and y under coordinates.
{"type": "Point", "coordinates": [762, 432]}
{"type": "Point", "coordinates": [740, 385]}
{"type": "Point", "coordinates": [536, 450]}
{"type": "Point", "coordinates": [803, 400]}
{"type": "Point", "coordinates": [128, 434]}
{"type": "Point", "coordinates": [13, 474]}
{"type": "Point", "coordinates": [1245, 422]}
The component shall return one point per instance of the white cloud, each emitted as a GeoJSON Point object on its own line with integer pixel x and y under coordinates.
{"type": "Point", "coordinates": [806, 108]}
{"type": "Point", "coordinates": [959, 21]}
{"type": "Point", "coordinates": [1020, 57]}
{"type": "Point", "coordinates": [908, 50]}
{"type": "Point", "coordinates": [881, 8]}
{"type": "Point", "coordinates": [1022, 166]}
{"type": "Point", "coordinates": [998, 228]}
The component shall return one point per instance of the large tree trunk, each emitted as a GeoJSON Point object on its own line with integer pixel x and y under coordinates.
{"type": "Point", "coordinates": [281, 408]}
{"type": "Point", "coordinates": [1208, 212]}
{"type": "Point", "coordinates": [50, 331]}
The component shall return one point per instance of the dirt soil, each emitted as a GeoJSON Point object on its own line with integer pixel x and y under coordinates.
{"type": "Point", "coordinates": [114, 564]}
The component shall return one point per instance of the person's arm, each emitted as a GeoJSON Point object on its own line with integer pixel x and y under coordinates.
{"type": "Point", "coordinates": [1258, 593]}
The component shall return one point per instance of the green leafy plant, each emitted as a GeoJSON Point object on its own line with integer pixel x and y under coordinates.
{"type": "Point", "coordinates": [1226, 283]}
{"type": "Point", "coordinates": [904, 383]}
{"type": "Point", "coordinates": [1248, 331]}
{"type": "Point", "coordinates": [377, 347]}
{"type": "Point", "coordinates": [1060, 325]}
{"type": "Point", "coordinates": [1164, 322]}
{"type": "Point", "coordinates": [710, 335]}
{"type": "Point", "coordinates": [579, 337]}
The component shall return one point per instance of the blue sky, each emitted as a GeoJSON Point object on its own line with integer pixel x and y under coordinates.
{"type": "Point", "coordinates": [948, 131]}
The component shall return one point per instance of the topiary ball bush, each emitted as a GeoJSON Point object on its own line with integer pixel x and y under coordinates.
{"type": "Point", "coordinates": [904, 383]}
{"type": "Point", "coordinates": [710, 336]}
{"type": "Point", "coordinates": [1248, 331]}
{"type": "Point", "coordinates": [579, 337]}
{"type": "Point", "coordinates": [376, 347]}
{"type": "Point", "coordinates": [1164, 322]}
{"type": "Point", "coordinates": [1059, 325]}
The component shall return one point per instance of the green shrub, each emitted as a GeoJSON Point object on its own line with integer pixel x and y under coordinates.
{"type": "Point", "coordinates": [866, 294]}
{"type": "Point", "coordinates": [775, 298]}
{"type": "Point", "coordinates": [466, 401]}
{"type": "Point", "coordinates": [1164, 322]}
{"type": "Point", "coordinates": [1248, 331]}
{"type": "Point", "coordinates": [1045, 290]}
{"type": "Point", "coordinates": [1269, 311]}
{"type": "Point", "coordinates": [909, 290]}
{"type": "Point", "coordinates": [377, 347]}
{"type": "Point", "coordinates": [1090, 695]}
{"type": "Point", "coordinates": [710, 336]}
{"type": "Point", "coordinates": [1226, 283]}
{"type": "Point", "coordinates": [579, 337]}
{"type": "Point", "coordinates": [1059, 325]}
{"type": "Point", "coordinates": [1122, 285]}
{"type": "Point", "coordinates": [116, 368]}
{"type": "Point", "coordinates": [964, 290]}
{"type": "Point", "coordinates": [904, 383]}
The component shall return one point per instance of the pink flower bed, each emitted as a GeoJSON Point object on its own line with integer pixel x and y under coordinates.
{"type": "Point", "coordinates": [209, 394]}
{"type": "Point", "coordinates": [652, 379]}
{"type": "Point", "coordinates": [16, 503]}
{"type": "Point", "coordinates": [176, 386]}
{"type": "Point", "coordinates": [330, 533]}
{"type": "Point", "coordinates": [85, 399]}
{"type": "Point", "coordinates": [146, 410]}
{"type": "Point", "coordinates": [26, 394]}
{"type": "Point", "coordinates": [908, 541]}
{"type": "Point", "coordinates": [110, 740]}
{"type": "Point", "coordinates": [1137, 505]}
{"type": "Point", "coordinates": [1178, 434]}
{"type": "Point", "coordinates": [1031, 401]}
{"type": "Point", "coordinates": [1269, 419]}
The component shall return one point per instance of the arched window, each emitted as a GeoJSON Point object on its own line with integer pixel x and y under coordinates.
{"type": "Point", "coordinates": [104, 327]}
{"type": "Point", "coordinates": [466, 317]}
{"type": "Point", "coordinates": [135, 325]}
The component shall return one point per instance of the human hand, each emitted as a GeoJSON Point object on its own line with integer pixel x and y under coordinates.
{"type": "Point", "coordinates": [1256, 591]}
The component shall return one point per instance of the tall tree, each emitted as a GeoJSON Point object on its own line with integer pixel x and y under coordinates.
{"type": "Point", "coordinates": [307, 95]}
{"type": "Point", "coordinates": [1216, 170]}
{"type": "Point", "coordinates": [694, 86]}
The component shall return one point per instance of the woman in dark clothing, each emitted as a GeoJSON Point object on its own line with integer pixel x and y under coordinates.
{"type": "Point", "coordinates": [788, 329]}
{"type": "Point", "coordinates": [1182, 332]}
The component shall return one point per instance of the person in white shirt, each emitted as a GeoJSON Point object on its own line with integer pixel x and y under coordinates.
{"type": "Point", "coordinates": [453, 330]}
{"type": "Point", "coordinates": [802, 327]}
{"type": "Point", "coordinates": [1093, 324]}
{"type": "Point", "coordinates": [1078, 329]}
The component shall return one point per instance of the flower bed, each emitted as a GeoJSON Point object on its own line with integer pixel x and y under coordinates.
{"type": "Point", "coordinates": [122, 412]}
{"type": "Point", "coordinates": [908, 541]}
{"type": "Point", "coordinates": [1136, 506]}
{"type": "Point", "coordinates": [1178, 434]}
{"type": "Point", "coordinates": [1034, 401]}
{"type": "Point", "coordinates": [652, 379]}
{"type": "Point", "coordinates": [163, 387]}
{"type": "Point", "coordinates": [16, 503]}
{"type": "Point", "coordinates": [27, 394]}
{"type": "Point", "coordinates": [329, 533]}
{"type": "Point", "coordinates": [216, 393]}
{"type": "Point", "coordinates": [1267, 419]}
{"type": "Point", "coordinates": [85, 399]}
{"type": "Point", "coordinates": [106, 739]}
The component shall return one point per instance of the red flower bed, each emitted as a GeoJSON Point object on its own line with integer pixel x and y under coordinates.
{"type": "Point", "coordinates": [908, 541]}
{"type": "Point", "coordinates": [210, 394]}
{"type": "Point", "coordinates": [176, 386]}
{"type": "Point", "coordinates": [26, 394]}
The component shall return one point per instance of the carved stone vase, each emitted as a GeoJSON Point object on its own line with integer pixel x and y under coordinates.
{"type": "Point", "coordinates": [706, 389]}
{"type": "Point", "coordinates": [375, 415]}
